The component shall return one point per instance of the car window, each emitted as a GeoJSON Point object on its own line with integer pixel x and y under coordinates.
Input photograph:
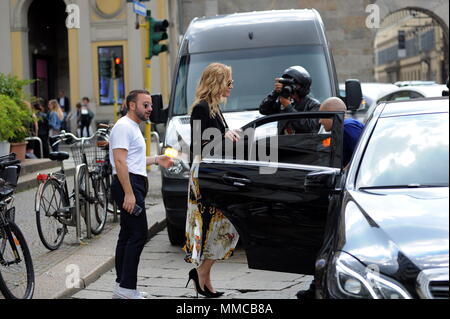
{"type": "Point", "coordinates": [401, 95]}
{"type": "Point", "coordinates": [407, 150]}
{"type": "Point", "coordinates": [270, 142]}
{"type": "Point", "coordinates": [252, 82]}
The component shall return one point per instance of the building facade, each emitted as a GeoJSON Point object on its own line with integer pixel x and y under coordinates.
{"type": "Point", "coordinates": [71, 51]}
{"type": "Point", "coordinates": [352, 25]}
{"type": "Point", "coordinates": [411, 46]}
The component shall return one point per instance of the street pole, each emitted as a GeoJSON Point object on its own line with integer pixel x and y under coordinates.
{"type": "Point", "coordinates": [148, 87]}
{"type": "Point", "coordinates": [161, 4]}
{"type": "Point", "coordinates": [115, 89]}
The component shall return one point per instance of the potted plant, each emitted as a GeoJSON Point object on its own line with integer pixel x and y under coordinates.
{"type": "Point", "coordinates": [13, 129]}
{"type": "Point", "coordinates": [15, 116]}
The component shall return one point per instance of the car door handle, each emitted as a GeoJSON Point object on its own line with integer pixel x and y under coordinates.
{"type": "Point", "coordinates": [236, 181]}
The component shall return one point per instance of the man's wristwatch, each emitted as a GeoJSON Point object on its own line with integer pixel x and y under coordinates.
{"type": "Point", "coordinates": [156, 160]}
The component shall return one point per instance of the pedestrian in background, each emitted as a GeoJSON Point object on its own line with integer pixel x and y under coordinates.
{"type": "Point", "coordinates": [32, 132]}
{"type": "Point", "coordinates": [43, 128]}
{"type": "Point", "coordinates": [78, 117]}
{"type": "Point", "coordinates": [86, 116]}
{"type": "Point", "coordinates": [64, 103]}
{"type": "Point", "coordinates": [55, 118]}
{"type": "Point", "coordinates": [129, 188]}
{"type": "Point", "coordinates": [210, 236]}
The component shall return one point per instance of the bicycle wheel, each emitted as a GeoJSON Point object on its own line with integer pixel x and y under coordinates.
{"type": "Point", "coordinates": [51, 230]}
{"type": "Point", "coordinates": [107, 180]}
{"type": "Point", "coordinates": [99, 209]}
{"type": "Point", "coordinates": [16, 271]}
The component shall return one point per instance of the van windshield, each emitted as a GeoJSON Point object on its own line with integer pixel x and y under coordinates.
{"type": "Point", "coordinates": [254, 73]}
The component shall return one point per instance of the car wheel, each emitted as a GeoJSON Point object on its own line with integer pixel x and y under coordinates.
{"type": "Point", "coordinates": [176, 236]}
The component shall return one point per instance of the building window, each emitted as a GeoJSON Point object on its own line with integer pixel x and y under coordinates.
{"type": "Point", "coordinates": [108, 56]}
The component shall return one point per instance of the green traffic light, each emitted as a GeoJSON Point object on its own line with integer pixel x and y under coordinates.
{"type": "Point", "coordinates": [157, 33]}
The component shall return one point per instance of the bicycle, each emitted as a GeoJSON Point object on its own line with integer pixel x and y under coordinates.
{"type": "Point", "coordinates": [55, 208]}
{"type": "Point", "coordinates": [95, 155]}
{"type": "Point", "coordinates": [16, 265]}
{"type": "Point", "coordinates": [105, 167]}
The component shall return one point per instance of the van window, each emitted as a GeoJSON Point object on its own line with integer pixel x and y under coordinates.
{"type": "Point", "coordinates": [254, 73]}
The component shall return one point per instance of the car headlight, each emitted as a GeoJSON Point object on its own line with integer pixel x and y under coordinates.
{"type": "Point", "coordinates": [179, 169]}
{"type": "Point", "coordinates": [349, 278]}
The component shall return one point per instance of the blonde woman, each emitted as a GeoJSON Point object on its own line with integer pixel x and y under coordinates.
{"type": "Point", "coordinates": [55, 118]}
{"type": "Point", "coordinates": [210, 236]}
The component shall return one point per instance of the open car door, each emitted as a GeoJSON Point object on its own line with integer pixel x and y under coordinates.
{"type": "Point", "coordinates": [262, 190]}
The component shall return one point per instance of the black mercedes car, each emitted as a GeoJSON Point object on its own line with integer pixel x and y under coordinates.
{"type": "Point", "coordinates": [376, 229]}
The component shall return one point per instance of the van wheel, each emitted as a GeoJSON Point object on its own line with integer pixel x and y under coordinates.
{"type": "Point", "coordinates": [176, 236]}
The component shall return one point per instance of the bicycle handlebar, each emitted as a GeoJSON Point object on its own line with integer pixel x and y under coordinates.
{"type": "Point", "coordinates": [66, 135]}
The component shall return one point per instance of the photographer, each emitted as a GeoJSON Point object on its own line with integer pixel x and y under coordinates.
{"type": "Point", "coordinates": [291, 95]}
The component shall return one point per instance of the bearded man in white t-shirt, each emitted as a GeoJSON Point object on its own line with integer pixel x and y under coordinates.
{"type": "Point", "coordinates": [129, 189]}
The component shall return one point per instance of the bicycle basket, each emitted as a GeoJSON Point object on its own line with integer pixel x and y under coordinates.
{"type": "Point", "coordinates": [94, 155]}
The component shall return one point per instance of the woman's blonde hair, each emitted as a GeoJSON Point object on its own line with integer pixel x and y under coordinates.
{"type": "Point", "coordinates": [212, 86]}
{"type": "Point", "coordinates": [55, 107]}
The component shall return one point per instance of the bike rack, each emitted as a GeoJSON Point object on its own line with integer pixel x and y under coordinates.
{"type": "Point", "coordinates": [35, 138]}
{"type": "Point", "coordinates": [77, 204]}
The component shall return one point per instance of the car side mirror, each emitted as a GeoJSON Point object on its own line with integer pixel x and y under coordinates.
{"type": "Point", "coordinates": [159, 114]}
{"type": "Point", "coordinates": [320, 181]}
{"type": "Point", "coordinates": [353, 94]}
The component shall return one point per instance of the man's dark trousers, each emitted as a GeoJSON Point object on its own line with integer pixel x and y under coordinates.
{"type": "Point", "coordinates": [133, 231]}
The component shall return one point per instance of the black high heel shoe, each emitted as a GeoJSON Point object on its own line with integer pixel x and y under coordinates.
{"type": "Point", "coordinates": [194, 276]}
{"type": "Point", "coordinates": [211, 294]}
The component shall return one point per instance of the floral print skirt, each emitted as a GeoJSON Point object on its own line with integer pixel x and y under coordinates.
{"type": "Point", "coordinates": [209, 234]}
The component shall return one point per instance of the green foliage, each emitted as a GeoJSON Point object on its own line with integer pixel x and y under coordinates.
{"type": "Point", "coordinates": [15, 116]}
{"type": "Point", "coordinates": [13, 120]}
{"type": "Point", "coordinates": [11, 86]}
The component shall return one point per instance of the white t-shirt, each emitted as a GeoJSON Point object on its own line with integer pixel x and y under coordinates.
{"type": "Point", "coordinates": [127, 135]}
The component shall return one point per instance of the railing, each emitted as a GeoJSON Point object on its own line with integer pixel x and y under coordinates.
{"type": "Point", "coordinates": [35, 138]}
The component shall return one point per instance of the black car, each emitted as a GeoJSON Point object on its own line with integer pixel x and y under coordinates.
{"type": "Point", "coordinates": [378, 229]}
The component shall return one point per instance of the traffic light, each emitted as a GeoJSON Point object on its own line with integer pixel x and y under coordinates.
{"type": "Point", "coordinates": [118, 67]}
{"type": "Point", "coordinates": [401, 40]}
{"type": "Point", "coordinates": [157, 33]}
{"type": "Point", "coordinates": [105, 68]}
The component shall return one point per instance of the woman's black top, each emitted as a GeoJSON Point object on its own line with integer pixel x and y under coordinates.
{"type": "Point", "coordinates": [200, 113]}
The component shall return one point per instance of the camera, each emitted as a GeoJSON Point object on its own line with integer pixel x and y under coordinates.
{"type": "Point", "coordinates": [288, 87]}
